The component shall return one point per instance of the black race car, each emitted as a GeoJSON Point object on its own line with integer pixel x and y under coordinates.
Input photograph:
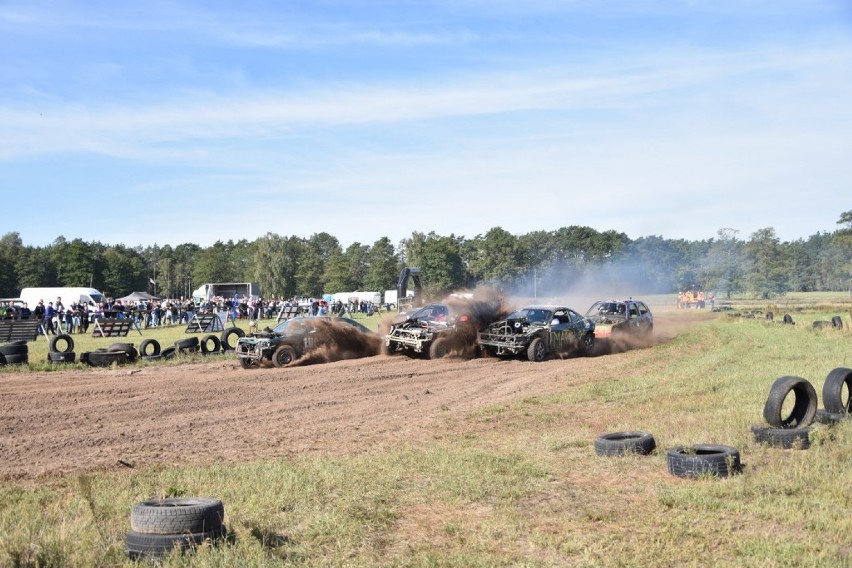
{"type": "Point", "coordinates": [538, 332]}
{"type": "Point", "coordinates": [292, 339]}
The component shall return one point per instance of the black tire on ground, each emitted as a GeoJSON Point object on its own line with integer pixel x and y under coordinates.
{"type": "Point", "coordinates": [149, 347]}
{"type": "Point", "coordinates": [106, 358]}
{"type": "Point", "coordinates": [2, 359]}
{"type": "Point", "coordinates": [439, 349]}
{"type": "Point", "coordinates": [804, 407]}
{"type": "Point", "coordinates": [788, 319]}
{"type": "Point", "coordinates": [16, 342]}
{"type": "Point", "coordinates": [225, 338]}
{"type": "Point", "coordinates": [61, 357]}
{"type": "Point", "coordinates": [14, 349]}
{"type": "Point", "coordinates": [177, 515]}
{"type": "Point", "coordinates": [210, 344]}
{"type": "Point", "coordinates": [703, 459]}
{"type": "Point", "coordinates": [822, 324]}
{"type": "Point", "coordinates": [141, 545]}
{"type": "Point", "coordinates": [156, 357]}
{"type": "Point", "coordinates": [832, 390]}
{"type": "Point", "coordinates": [536, 350]}
{"type": "Point", "coordinates": [168, 352]}
{"type": "Point", "coordinates": [188, 343]}
{"type": "Point", "coordinates": [17, 359]}
{"type": "Point", "coordinates": [247, 363]}
{"type": "Point", "coordinates": [621, 443]}
{"type": "Point", "coordinates": [770, 316]}
{"type": "Point", "coordinates": [61, 338]}
{"type": "Point", "coordinates": [283, 356]}
{"type": "Point", "coordinates": [837, 322]}
{"type": "Point", "coordinates": [825, 417]}
{"type": "Point", "coordinates": [787, 438]}
{"type": "Point", "coordinates": [128, 348]}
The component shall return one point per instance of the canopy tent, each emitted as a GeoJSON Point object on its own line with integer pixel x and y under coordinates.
{"type": "Point", "coordinates": [136, 296]}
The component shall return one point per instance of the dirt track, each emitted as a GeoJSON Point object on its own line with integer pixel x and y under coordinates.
{"type": "Point", "coordinates": [215, 412]}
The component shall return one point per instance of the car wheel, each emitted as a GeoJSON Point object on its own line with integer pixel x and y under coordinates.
{"type": "Point", "coordinates": [621, 443]}
{"type": "Point", "coordinates": [804, 407]}
{"type": "Point", "coordinates": [703, 459]}
{"type": "Point", "coordinates": [589, 343]}
{"type": "Point", "coordinates": [247, 363]}
{"type": "Point", "coordinates": [787, 438]}
{"type": "Point", "coordinates": [439, 349]}
{"type": "Point", "coordinates": [536, 350]}
{"type": "Point", "coordinates": [283, 356]}
{"type": "Point", "coordinates": [832, 391]}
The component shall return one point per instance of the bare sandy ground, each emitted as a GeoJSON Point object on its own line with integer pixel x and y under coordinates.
{"type": "Point", "coordinates": [68, 422]}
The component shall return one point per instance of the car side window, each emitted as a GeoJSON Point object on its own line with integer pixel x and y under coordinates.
{"type": "Point", "coordinates": [634, 311]}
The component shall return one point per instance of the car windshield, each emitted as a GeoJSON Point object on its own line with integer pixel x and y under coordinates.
{"type": "Point", "coordinates": [607, 309]}
{"type": "Point", "coordinates": [532, 315]}
{"type": "Point", "coordinates": [432, 312]}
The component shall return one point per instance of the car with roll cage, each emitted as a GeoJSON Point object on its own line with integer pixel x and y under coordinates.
{"type": "Point", "coordinates": [539, 331]}
{"type": "Point", "coordinates": [621, 317]}
{"type": "Point", "coordinates": [293, 338]}
{"type": "Point", "coordinates": [430, 330]}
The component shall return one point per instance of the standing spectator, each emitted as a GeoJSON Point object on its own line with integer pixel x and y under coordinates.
{"type": "Point", "coordinates": [47, 321]}
{"type": "Point", "coordinates": [25, 312]}
{"type": "Point", "coordinates": [84, 317]}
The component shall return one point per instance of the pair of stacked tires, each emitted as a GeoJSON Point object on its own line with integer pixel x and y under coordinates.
{"type": "Point", "coordinates": [158, 526]}
{"type": "Point", "coordinates": [682, 461]}
{"type": "Point", "coordinates": [14, 353]}
{"type": "Point", "coordinates": [793, 429]}
{"type": "Point", "coordinates": [115, 354]}
{"type": "Point", "coordinates": [61, 349]}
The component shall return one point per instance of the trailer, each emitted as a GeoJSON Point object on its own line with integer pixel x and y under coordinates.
{"type": "Point", "coordinates": [226, 290]}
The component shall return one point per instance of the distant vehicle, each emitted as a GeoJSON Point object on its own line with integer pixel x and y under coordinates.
{"type": "Point", "coordinates": [226, 290]}
{"type": "Point", "coordinates": [539, 332]}
{"type": "Point", "coordinates": [293, 338]}
{"type": "Point", "coordinates": [90, 296]}
{"type": "Point", "coordinates": [614, 317]}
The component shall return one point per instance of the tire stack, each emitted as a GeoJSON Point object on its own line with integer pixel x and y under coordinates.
{"type": "Point", "coordinates": [14, 353]}
{"type": "Point", "coordinates": [61, 349]}
{"type": "Point", "coordinates": [158, 526]}
{"type": "Point", "coordinates": [187, 346]}
{"type": "Point", "coordinates": [104, 357]}
{"type": "Point", "coordinates": [793, 430]}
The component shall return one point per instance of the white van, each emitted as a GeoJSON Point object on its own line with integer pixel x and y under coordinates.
{"type": "Point", "coordinates": [69, 295]}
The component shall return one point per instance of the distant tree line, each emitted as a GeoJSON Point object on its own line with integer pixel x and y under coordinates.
{"type": "Point", "coordinates": [544, 261]}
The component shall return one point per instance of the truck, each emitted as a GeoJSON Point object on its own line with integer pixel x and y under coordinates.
{"type": "Point", "coordinates": [226, 290]}
{"type": "Point", "coordinates": [69, 294]}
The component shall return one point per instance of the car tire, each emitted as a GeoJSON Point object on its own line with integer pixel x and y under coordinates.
{"type": "Point", "coordinates": [18, 359]}
{"type": "Point", "coordinates": [14, 349]}
{"type": "Point", "coordinates": [106, 358]}
{"type": "Point", "coordinates": [57, 339]}
{"type": "Point", "coordinates": [282, 356]}
{"type": "Point", "coordinates": [788, 320]}
{"type": "Point", "coordinates": [439, 349]}
{"type": "Point", "coordinates": [825, 417]}
{"type": "Point", "coordinates": [188, 345]}
{"type": "Point", "coordinates": [61, 357]}
{"type": "Point", "coordinates": [832, 391]}
{"type": "Point", "coordinates": [225, 338]}
{"type": "Point", "coordinates": [247, 363]}
{"type": "Point", "coordinates": [588, 344]}
{"type": "Point", "coordinates": [128, 348]}
{"type": "Point", "coordinates": [168, 352]}
{"type": "Point", "coordinates": [177, 515]}
{"type": "Point", "coordinates": [770, 316]}
{"type": "Point", "coordinates": [822, 324]}
{"type": "Point", "coordinates": [787, 438]}
{"type": "Point", "coordinates": [621, 443]}
{"type": "Point", "coordinates": [837, 322]}
{"type": "Point", "coordinates": [804, 408]}
{"type": "Point", "coordinates": [142, 545]}
{"type": "Point", "coordinates": [210, 344]}
{"type": "Point", "coordinates": [536, 350]}
{"type": "Point", "coordinates": [149, 348]}
{"type": "Point", "coordinates": [703, 459]}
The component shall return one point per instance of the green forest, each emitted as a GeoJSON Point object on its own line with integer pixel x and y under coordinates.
{"type": "Point", "coordinates": [542, 261]}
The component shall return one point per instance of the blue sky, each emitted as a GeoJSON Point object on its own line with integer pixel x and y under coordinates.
{"type": "Point", "coordinates": [174, 122]}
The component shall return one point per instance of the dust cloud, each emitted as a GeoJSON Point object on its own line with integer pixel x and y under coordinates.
{"type": "Point", "coordinates": [336, 341]}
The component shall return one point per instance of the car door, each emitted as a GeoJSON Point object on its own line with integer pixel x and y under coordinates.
{"type": "Point", "coordinates": [562, 333]}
